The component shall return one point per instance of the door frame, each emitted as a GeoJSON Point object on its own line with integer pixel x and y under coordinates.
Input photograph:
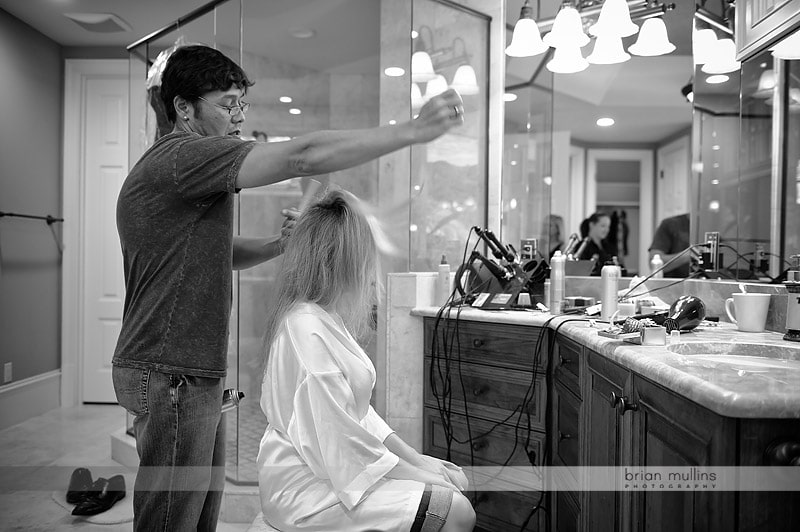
{"type": "Point", "coordinates": [76, 72]}
{"type": "Point", "coordinates": [646, 159]}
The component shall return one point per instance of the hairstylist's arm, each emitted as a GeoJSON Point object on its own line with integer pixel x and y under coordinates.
{"type": "Point", "coordinates": [328, 151]}
{"type": "Point", "coordinates": [249, 252]}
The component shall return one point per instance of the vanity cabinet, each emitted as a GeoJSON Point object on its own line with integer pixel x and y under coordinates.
{"type": "Point", "coordinates": [760, 22]}
{"type": "Point", "coordinates": [632, 423]}
{"type": "Point", "coordinates": [489, 369]}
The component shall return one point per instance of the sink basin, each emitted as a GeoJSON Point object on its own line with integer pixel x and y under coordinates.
{"type": "Point", "coordinates": [746, 356]}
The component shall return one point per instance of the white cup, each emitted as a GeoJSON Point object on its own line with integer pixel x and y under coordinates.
{"type": "Point", "coordinates": [749, 311]}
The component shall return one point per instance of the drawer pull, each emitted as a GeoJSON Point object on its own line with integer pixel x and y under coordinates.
{"type": "Point", "coordinates": [477, 342]}
{"type": "Point", "coordinates": [622, 404]}
{"type": "Point", "coordinates": [563, 361]}
{"type": "Point", "coordinates": [564, 436]}
{"type": "Point", "coordinates": [478, 445]}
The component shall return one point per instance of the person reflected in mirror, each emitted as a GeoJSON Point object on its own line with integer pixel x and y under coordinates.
{"type": "Point", "coordinates": [555, 239]}
{"type": "Point", "coordinates": [327, 460]}
{"type": "Point", "coordinates": [595, 246]}
{"type": "Point", "coordinates": [175, 218]}
{"type": "Point", "coordinates": [670, 239]}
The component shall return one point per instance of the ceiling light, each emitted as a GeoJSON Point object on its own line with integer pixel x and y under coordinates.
{"type": "Point", "coordinates": [567, 29]}
{"type": "Point", "coordinates": [417, 100]}
{"type": "Point", "coordinates": [653, 39]}
{"type": "Point", "coordinates": [526, 41]}
{"type": "Point", "coordinates": [294, 111]}
{"type": "Point", "coordinates": [394, 72]}
{"type": "Point", "coordinates": [717, 79]}
{"type": "Point", "coordinates": [464, 81]}
{"type": "Point", "coordinates": [703, 43]}
{"type": "Point", "coordinates": [605, 122]}
{"type": "Point", "coordinates": [608, 50]}
{"type": "Point", "coordinates": [99, 22]}
{"type": "Point", "coordinates": [509, 97]}
{"type": "Point", "coordinates": [723, 59]}
{"type": "Point", "coordinates": [614, 19]}
{"type": "Point", "coordinates": [285, 99]}
{"type": "Point", "coordinates": [567, 60]}
{"type": "Point", "coordinates": [766, 84]}
{"type": "Point", "coordinates": [788, 48]}
{"type": "Point", "coordinates": [302, 33]}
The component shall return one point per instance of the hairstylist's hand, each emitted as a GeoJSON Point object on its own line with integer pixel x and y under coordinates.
{"type": "Point", "coordinates": [440, 114]}
{"type": "Point", "coordinates": [448, 470]}
{"type": "Point", "coordinates": [288, 225]}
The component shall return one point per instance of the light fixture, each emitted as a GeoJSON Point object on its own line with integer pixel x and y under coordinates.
{"type": "Point", "coordinates": [614, 19]}
{"type": "Point", "coordinates": [295, 111]}
{"type": "Point", "coordinates": [703, 43]}
{"type": "Point", "coordinates": [608, 50]}
{"type": "Point", "coordinates": [464, 81]}
{"type": "Point", "coordinates": [99, 22]}
{"type": "Point", "coordinates": [421, 67]}
{"type": "Point", "coordinates": [417, 100]}
{"type": "Point", "coordinates": [526, 41]}
{"type": "Point", "coordinates": [567, 29]}
{"type": "Point", "coordinates": [302, 33]}
{"type": "Point", "coordinates": [509, 97]}
{"type": "Point", "coordinates": [723, 59]}
{"type": "Point", "coordinates": [688, 91]}
{"type": "Point", "coordinates": [653, 39]}
{"type": "Point", "coordinates": [788, 48]}
{"type": "Point", "coordinates": [605, 122]}
{"type": "Point", "coordinates": [285, 99]}
{"type": "Point", "coordinates": [435, 86]}
{"type": "Point", "coordinates": [766, 84]}
{"type": "Point", "coordinates": [394, 72]}
{"type": "Point", "coordinates": [567, 60]}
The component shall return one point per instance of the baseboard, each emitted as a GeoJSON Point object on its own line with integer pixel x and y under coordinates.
{"type": "Point", "coordinates": [31, 397]}
{"type": "Point", "coordinates": [240, 504]}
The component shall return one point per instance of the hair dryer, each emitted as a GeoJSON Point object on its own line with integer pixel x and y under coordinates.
{"type": "Point", "coordinates": [685, 314]}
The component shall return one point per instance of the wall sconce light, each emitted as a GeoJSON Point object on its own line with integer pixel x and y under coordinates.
{"type": "Point", "coordinates": [526, 41]}
{"type": "Point", "coordinates": [424, 65]}
{"type": "Point", "coordinates": [717, 56]}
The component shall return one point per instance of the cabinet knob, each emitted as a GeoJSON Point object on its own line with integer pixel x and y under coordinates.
{"type": "Point", "coordinates": [783, 453]}
{"type": "Point", "coordinates": [477, 342]}
{"type": "Point", "coordinates": [564, 436]}
{"type": "Point", "coordinates": [477, 392]}
{"type": "Point", "coordinates": [563, 361]}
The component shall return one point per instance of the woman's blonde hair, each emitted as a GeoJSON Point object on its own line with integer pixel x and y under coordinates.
{"type": "Point", "coordinates": [331, 259]}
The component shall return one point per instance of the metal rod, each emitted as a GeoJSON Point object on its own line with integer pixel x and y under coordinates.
{"type": "Point", "coordinates": [710, 18]}
{"type": "Point", "coordinates": [181, 21]}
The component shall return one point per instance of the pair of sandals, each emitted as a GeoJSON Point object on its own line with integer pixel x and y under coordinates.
{"type": "Point", "coordinates": [93, 497]}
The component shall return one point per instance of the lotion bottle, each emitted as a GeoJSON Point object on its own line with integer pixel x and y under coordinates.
{"type": "Point", "coordinates": [557, 281]}
{"type": "Point", "coordinates": [443, 282]}
{"type": "Point", "coordinates": [610, 275]}
{"type": "Point", "coordinates": [655, 265]}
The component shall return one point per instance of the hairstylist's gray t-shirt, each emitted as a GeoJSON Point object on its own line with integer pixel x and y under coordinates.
{"type": "Point", "coordinates": [175, 223]}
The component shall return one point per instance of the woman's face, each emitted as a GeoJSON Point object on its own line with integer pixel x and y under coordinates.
{"type": "Point", "coordinates": [599, 230]}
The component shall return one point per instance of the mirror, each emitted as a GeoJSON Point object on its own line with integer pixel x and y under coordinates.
{"type": "Point", "coordinates": [638, 169]}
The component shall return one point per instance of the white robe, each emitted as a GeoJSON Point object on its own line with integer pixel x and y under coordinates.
{"type": "Point", "coordinates": [322, 461]}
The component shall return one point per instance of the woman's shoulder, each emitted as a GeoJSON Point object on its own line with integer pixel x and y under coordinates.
{"type": "Point", "coordinates": [308, 316]}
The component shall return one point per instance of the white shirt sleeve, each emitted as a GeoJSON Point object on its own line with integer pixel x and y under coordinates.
{"type": "Point", "coordinates": [375, 424]}
{"type": "Point", "coordinates": [332, 442]}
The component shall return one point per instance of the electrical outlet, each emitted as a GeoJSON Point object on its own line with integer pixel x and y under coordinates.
{"type": "Point", "coordinates": [7, 372]}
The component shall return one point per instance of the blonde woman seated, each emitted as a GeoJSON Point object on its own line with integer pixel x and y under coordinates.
{"type": "Point", "coordinates": [327, 460]}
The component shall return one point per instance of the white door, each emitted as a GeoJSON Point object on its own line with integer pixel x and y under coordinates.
{"type": "Point", "coordinates": [105, 156]}
{"type": "Point", "coordinates": [672, 189]}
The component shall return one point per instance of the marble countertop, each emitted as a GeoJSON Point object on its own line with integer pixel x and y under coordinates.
{"type": "Point", "coordinates": [734, 386]}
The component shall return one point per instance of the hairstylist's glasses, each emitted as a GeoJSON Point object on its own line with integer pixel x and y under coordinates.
{"type": "Point", "coordinates": [233, 110]}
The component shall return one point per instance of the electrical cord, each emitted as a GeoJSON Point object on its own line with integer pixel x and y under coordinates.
{"type": "Point", "coordinates": [661, 269]}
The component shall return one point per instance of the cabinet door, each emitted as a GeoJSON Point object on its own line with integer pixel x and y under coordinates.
{"type": "Point", "coordinates": [606, 445]}
{"type": "Point", "coordinates": [761, 22]}
{"type": "Point", "coordinates": [669, 430]}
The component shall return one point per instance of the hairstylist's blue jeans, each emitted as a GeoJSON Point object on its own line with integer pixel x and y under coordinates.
{"type": "Point", "coordinates": [180, 438]}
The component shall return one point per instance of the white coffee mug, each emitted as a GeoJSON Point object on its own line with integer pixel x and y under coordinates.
{"type": "Point", "coordinates": [749, 311]}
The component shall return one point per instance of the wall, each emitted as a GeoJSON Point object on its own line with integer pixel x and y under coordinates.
{"type": "Point", "coordinates": [31, 73]}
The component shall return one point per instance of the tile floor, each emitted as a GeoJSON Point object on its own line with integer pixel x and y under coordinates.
{"type": "Point", "coordinates": [38, 456]}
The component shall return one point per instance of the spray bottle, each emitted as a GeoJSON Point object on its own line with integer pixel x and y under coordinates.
{"type": "Point", "coordinates": [655, 266]}
{"type": "Point", "coordinates": [443, 282]}
{"type": "Point", "coordinates": [610, 275]}
{"type": "Point", "coordinates": [557, 281]}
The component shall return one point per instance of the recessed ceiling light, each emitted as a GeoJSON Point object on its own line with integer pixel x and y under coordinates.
{"type": "Point", "coordinates": [605, 122]}
{"type": "Point", "coordinates": [715, 80]}
{"type": "Point", "coordinates": [295, 111]}
{"type": "Point", "coordinates": [302, 33]}
{"type": "Point", "coordinates": [99, 22]}
{"type": "Point", "coordinates": [509, 97]}
{"type": "Point", "coordinates": [414, 34]}
{"type": "Point", "coordinates": [715, 147]}
{"type": "Point", "coordinates": [285, 99]}
{"type": "Point", "coordinates": [715, 181]}
{"type": "Point", "coordinates": [394, 72]}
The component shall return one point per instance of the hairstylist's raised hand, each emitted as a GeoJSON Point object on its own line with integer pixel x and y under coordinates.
{"type": "Point", "coordinates": [440, 114]}
{"type": "Point", "coordinates": [288, 225]}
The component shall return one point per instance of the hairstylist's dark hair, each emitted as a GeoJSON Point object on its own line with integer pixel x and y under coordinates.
{"type": "Point", "coordinates": [194, 70]}
{"type": "Point", "coordinates": [595, 217]}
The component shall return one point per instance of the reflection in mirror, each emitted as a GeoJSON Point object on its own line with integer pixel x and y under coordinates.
{"type": "Point", "coordinates": [638, 168]}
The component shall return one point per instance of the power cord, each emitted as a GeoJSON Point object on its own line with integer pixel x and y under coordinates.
{"type": "Point", "coordinates": [661, 269]}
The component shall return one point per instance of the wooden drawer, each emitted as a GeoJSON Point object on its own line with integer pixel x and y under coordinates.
{"type": "Point", "coordinates": [566, 438]}
{"type": "Point", "coordinates": [496, 344]}
{"type": "Point", "coordinates": [499, 511]}
{"type": "Point", "coordinates": [491, 393]}
{"type": "Point", "coordinates": [490, 444]}
{"type": "Point", "coordinates": [567, 361]}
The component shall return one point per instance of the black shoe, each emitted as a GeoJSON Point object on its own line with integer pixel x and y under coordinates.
{"type": "Point", "coordinates": [79, 484]}
{"type": "Point", "coordinates": [106, 494]}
